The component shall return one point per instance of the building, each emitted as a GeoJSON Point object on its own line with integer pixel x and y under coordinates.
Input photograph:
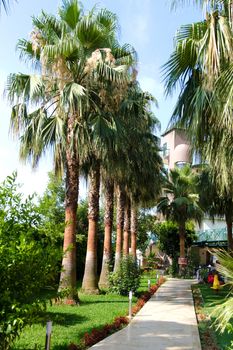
{"type": "Point", "coordinates": [175, 148]}
{"type": "Point", "coordinates": [176, 151]}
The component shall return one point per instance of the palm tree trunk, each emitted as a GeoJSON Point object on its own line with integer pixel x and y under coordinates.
{"type": "Point", "coordinates": [229, 231]}
{"type": "Point", "coordinates": [108, 222]}
{"type": "Point", "coordinates": [126, 231]}
{"type": "Point", "coordinates": [133, 230]}
{"type": "Point", "coordinates": [120, 223]}
{"type": "Point", "coordinates": [182, 264]}
{"type": "Point", "coordinates": [182, 240]}
{"type": "Point", "coordinates": [90, 280]}
{"type": "Point", "coordinates": [68, 274]}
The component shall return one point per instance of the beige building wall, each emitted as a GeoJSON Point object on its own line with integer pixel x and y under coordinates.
{"type": "Point", "coordinates": [176, 148]}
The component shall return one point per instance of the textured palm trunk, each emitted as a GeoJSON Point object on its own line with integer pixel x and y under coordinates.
{"type": "Point", "coordinates": [182, 240]}
{"type": "Point", "coordinates": [182, 267]}
{"type": "Point", "coordinates": [229, 232]}
{"type": "Point", "coordinates": [120, 223]}
{"type": "Point", "coordinates": [90, 280]}
{"type": "Point", "coordinates": [108, 222]}
{"type": "Point", "coordinates": [68, 274]}
{"type": "Point", "coordinates": [126, 231]}
{"type": "Point", "coordinates": [229, 219]}
{"type": "Point", "coordinates": [133, 230]}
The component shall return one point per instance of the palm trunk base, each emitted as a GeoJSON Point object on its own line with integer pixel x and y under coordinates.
{"type": "Point", "coordinates": [90, 283]}
{"type": "Point", "coordinates": [104, 277]}
{"type": "Point", "coordinates": [67, 285]}
{"type": "Point", "coordinates": [117, 261]}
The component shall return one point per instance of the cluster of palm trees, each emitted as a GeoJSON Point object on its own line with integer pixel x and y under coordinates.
{"type": "Point", "coordinates": [83, 104]}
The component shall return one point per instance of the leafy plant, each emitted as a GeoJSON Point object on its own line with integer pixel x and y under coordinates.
{"type": "Point", "coordinates": [27, 263]}
{"type": "Point", "coordinates": [126, 278]}
{"type": "Point", "coordinates": [224, 312]}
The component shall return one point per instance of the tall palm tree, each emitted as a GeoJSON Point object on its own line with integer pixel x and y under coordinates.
{"type": "Point", "coordinates": [138, 164]}
{"type": "Point", "coordinates": [108, 224]}
{"type": "Point", "coordinates": [126, 228]}
{"type": "Point", "coordinates": [133, 230]}
{"type": "Point", "coordinates": [120, 194]}
{"type": "Point", "coordinates": [90, 281]}
{"type": "Point", "coordinates": [180, 201]}
{"type": "Point", "coordinates": [201, 64]}
{"type": "Point", "coordinates": [55, 108]}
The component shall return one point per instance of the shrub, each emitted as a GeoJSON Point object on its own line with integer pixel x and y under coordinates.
{"type": "Point", "coordinates": [27, 263]}
{"type": "Point", "coordinates": [97, 335]}
{"type": "Point", "coordinates": [126, 278]}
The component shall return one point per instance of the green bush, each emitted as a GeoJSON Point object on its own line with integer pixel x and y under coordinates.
{"type": "Point", "coordinates": [27, 263]}
{"type": "Point", "coordinates": [126, 278]}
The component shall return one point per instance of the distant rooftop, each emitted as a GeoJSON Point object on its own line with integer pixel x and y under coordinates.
{"type": "Point", "coordinates": [170, 129]}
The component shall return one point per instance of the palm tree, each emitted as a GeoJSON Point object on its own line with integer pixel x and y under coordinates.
{"type": "Point", "coordinates": [120, 194]}
{"type": "Point", "coordinates": [126, 227]}
{"type": "Point", "coordinates": [70, 53]}
{"type": "Point", "coordinates": [90, 281]}
{"type": "Point", "coordinates": [140, 167]}
{"type": "Point", "coordinates": [133, 230]}
{"type": "Point", "coordinates": [202, 65]}
{"type": "Point", "coordinates": [180, 202]}
{"type": "Point", "coordinates": [108, 223]}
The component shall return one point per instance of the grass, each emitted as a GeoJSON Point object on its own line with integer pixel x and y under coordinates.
{"type": "Point", "coordinates": [144, 283]}
{"type": "Point", "coordinates": [71, 322]}
{"type": "Point", "coordinates": [210, 300]}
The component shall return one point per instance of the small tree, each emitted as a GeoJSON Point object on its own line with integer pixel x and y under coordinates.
{"type": "Point", "coordinates": [126, 278]}
{"type": "Point", "coordinates": [168, 236]}
{"type": "Point", "coordinates": [180, 201]}
{"type": "Point", "coordinates": [27, 263]}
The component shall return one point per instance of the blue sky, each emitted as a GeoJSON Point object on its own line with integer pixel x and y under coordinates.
{"type": "Point", "coordinates": [148, 25]}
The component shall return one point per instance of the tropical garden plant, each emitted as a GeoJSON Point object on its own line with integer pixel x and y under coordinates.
{"type": "Point", "coordinates": [224, 312]}
{"type": "Point", "coordinates": [126, 278]}
{"type": "Point", "coordinates": [29, 263]}
{"type": "Point", "coordinates": [180, 201]}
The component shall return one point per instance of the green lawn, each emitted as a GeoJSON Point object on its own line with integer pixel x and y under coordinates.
{"type": "Point", "coordinates": [211, 299]}
{"type": "Point", "coordinates": [144, 283]}
{"type": "Point", "coordinates": [71, 322]}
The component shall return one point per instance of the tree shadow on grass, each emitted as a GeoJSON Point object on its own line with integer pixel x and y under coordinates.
{"type": "Point", "coordinates": [65, 319]}
{"type": "Point", "coordinates": [82, 303]}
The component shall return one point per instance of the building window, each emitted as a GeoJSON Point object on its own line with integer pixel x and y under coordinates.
{"type": "Point", "coordinates": [181, 164]}
{"type": "Point", "coordinates": [165, 150]}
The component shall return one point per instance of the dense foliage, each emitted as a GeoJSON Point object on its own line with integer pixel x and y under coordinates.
{"type": "Point", "coordinates": [168, 234]}
{"type": "Point", "coordinates": [146, 229]}
{"type": "Point", "coordinates": [27, 264]}
{"type": "Point", "coordinates": [169, 241]}
{"type": "Point", "coordinates": [126, 278]}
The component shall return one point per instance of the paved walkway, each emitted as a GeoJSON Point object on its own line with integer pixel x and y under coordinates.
{"type": "Point", "coordinates": [166, 322]}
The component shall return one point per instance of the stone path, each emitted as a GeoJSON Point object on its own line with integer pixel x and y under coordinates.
{"type": "Point", "coordinates": [166, 322]}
